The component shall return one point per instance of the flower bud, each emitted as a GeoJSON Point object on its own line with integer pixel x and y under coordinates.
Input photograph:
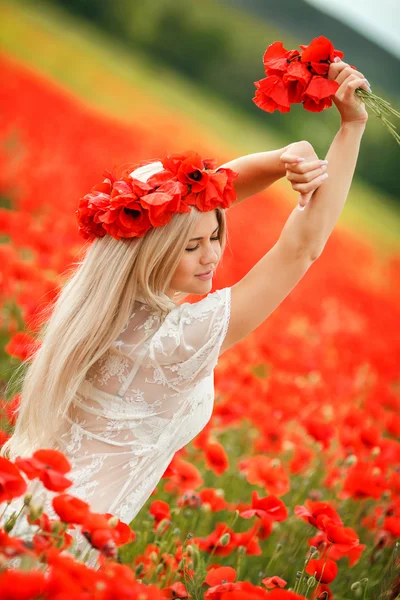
{"type": "Point", "coordinates": [315, 494]}
{"type": "Point", "coordinates": [225, 539]}
{"type": "Point", "coordinates": [56, 527]}
{"type": "Point", "coordinates": [162, 525]}
{"type": "Point", "coordinates": [298, 574]}
{"type": "Point", "coordinates": [113, 521]}
{"type": "Point", "coordinates": [311, 582]}
{"type": "Point", "coordinates": [10, 523]}
{"type": "Point", "coordinates": [35, 511]}
{"type": "Point", "coordinates": [27, 499]}
{"type": "Point", "coordinates": [242, 550]}
{"type": "Point", "coordinates": [350, 460]}
{"type": "Point", "coordinates": [153, 557]}
{"type": "Point", "coordinates": [139, 569]}
{"type": "Point", "coordinates": [189, 550]}
{"type": "Point", "coordinates": [100, 586]}
{"type": "Point", "coordinates": [355, 586]}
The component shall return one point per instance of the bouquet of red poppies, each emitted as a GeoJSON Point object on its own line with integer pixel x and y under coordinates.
{"type": "Point", "coordinates": [302, 76]}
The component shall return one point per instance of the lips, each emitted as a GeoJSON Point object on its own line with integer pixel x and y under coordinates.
{"type": "Point", "coordinates": [206, 273]}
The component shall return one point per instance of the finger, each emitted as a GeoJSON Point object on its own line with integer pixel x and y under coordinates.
{"type": "Point", "coordinates": [349, 85]}
{"type": "Point", "coordinates": [291, 158]}
{"type": "Point", "coordinates": [305, 167]}
{"type": "Point", "coordinates": [306, 177]}
{"type": "Point", "coordinates": [358, 83]}
{"type": "Point", "coordinates": [346, 72]}
{"type": "Point", "coordinates": [304, 188]}
{"type": "Point", "coordinates": [335, 68]}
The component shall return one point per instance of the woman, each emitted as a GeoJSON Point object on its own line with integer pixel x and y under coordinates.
{"type": "Point", "coordinates": [124, 375]}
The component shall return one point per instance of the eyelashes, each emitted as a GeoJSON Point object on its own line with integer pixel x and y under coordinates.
{"type": "Point", "coordinates": [193, 249]}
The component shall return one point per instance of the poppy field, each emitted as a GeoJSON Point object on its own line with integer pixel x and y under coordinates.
{"type": "Point", "coordinates": [292, 490]}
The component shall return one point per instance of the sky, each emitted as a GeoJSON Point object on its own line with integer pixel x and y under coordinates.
{"type": "Point", "coordinates": [378, 20]}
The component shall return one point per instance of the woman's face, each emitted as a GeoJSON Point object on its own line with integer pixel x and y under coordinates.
{"type": "Point", "coordinates": [199, 256]}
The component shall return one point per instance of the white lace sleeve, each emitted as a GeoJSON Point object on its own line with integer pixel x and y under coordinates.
{"type": "Point", "coordinates": [186, 347]}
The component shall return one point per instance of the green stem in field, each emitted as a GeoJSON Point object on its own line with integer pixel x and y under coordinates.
{"type": "Point", "coordinates": [7, 505]}
{"type": "Point", "coordinates": [299, 582]}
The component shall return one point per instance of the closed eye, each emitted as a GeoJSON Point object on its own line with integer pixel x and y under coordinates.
{"type": "Point", "coordinates": [198, 245]}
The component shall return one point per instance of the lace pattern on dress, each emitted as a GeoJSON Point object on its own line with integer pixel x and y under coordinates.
{"type": "Point", "coordinates": [119, 445]}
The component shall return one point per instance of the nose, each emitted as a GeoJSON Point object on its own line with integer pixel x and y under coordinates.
{"type": "Point", "coordinates": [209, 256]}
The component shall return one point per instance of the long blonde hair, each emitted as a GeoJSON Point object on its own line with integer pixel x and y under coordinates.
{"type": "Point", "coordinates": [89, 313]}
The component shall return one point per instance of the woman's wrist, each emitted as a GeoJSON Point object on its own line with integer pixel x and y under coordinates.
{"type": "Point", "coordinates": [356, 126]}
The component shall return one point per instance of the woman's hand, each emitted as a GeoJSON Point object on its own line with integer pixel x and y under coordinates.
{"type": "Point", "coordinates": [304, 170]}
{"type": "Point", "coordinates": [351, 107]}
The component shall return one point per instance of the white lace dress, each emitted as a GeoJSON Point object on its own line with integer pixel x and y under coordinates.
{"type": "Point", "coordinates": [149, 395]}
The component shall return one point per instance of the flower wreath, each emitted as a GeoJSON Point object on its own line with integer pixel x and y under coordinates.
{"type": "Point", "coordinates": [125, 207]}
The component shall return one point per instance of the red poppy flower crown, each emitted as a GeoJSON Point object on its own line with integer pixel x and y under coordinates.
{"type": "Point", "coordinates": [126, 207]}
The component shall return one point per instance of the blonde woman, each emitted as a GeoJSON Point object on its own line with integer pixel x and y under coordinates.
{"type": "Point", "coordinates": [123, 377]}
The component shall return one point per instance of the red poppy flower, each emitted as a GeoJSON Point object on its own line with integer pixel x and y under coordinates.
{"type": "Point", "coordinates": [216, 458]}
{"type": "Point", "coordinates": [175, 591]}
{"type": "Point", "coordinates": [12, 484]}
{"type": "Point", "coordinates": [182, 476]}
{"type": "Point", "coordinates": [262, 470]}
{"type": "Point", "coordinates": [70, 509]}
{"type": "Point", "coordinates": [324, 569]}
{"type": "Point", "coordinates": [249, 540]}
{"type": "Point", "coordinates": [213, 499]}
{"type": "Point", "coordinates": [345, 538]}
{"type": "Point", "coordinates": [273, 582]}
{"type": "Point", "coordinates": [49, 466]}
{"type": "Point", "coordinates": [96, 529]}
{"type": "Point", "coordinates": [315, 512]}
{"type": "Point", "coordinates": [220, 574]}
{"type": "Point", "coordinates": [117, 211]}
{"type": "Point", "coordinates": [164, 203]}
{"type": "Point", "coordinates": [160, 510]}
{"type": "Point", "coordinates": [363, 480]}
{"type": "Point", "coordinates": [123, 534]}
{"type": "Point", "coordinates": [213, 542]}
{"type": "Point", "coordinates": [22, 346]}
{"type": "Point", "coordinates": [12, 546]}
{"type": "Point", "coordinates": [191, 172]}
{"type": "Point", "coordinates": [15, 583]}
{"type": "Point", "coordinates": [268, 507]}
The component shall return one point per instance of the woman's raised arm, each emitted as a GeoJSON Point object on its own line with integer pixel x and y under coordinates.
{"type": "Point", "coordinates": [256, 172]}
